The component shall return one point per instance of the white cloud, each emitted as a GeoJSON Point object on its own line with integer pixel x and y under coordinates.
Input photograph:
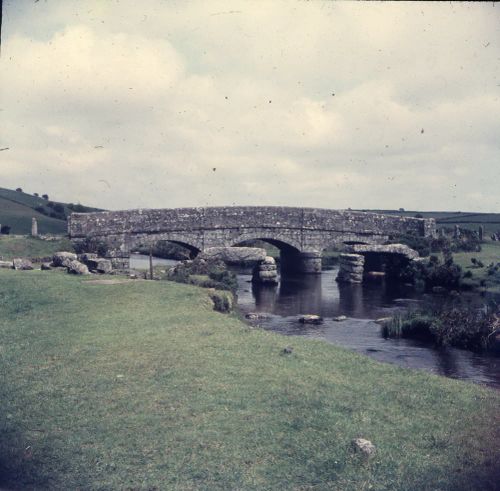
{"type": "Point", "coordinates": [293, 103]}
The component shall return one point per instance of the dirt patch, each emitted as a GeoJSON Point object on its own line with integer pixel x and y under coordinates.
{"type": "Point", "coordinates": [108, 281]}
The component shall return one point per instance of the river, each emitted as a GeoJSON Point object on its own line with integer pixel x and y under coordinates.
{"type": "Point", "coordinates": [362, 304]}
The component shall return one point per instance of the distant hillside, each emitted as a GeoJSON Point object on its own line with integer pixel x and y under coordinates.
{"type": "Point", "coordinates": [18, 208]}
{"type": "Point", "coordinates": [469, 220]}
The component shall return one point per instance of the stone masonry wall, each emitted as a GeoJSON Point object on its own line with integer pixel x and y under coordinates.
{"type": "Point", "coordinates": [303, 229]}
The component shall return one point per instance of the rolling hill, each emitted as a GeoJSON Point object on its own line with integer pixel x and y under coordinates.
{"type": "Point", "coordinates": [17, 209]}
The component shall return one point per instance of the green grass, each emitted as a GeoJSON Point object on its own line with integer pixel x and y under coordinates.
{"type": "Point", "coordinates": [490, 253]}
{"type": "Point", "coordinates": [18, 217]}
{"type": "Point", "coordinates": [17, 246]}
{"type": "Point", "coordinates": [469, 220]}
{"type": "Point", "coordinates": [18, 208]}
{"type": "Point", "coordinates": [141, 385]}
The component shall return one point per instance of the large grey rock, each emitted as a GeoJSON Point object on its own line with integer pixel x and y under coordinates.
{"type": "Point", "coordinates": [100, 265]}
{"type": "Point", "coordinates": [63, 258]}
{"type": "Point", "coordinates": [87, 256]}
{"type": "Point", "coordinates": [76, 267]}
{"type": "Point", "coordinates": [266, 271]}
{"type": "Point", "coordinates": [399, 249]}
{"type": "Point", "coordinates": [46, 267]}
{"type": "Point", "coordinates": [6, 264]}
{"type": "Point", "coordinates": [22, 264]}
{"type": "Point", "coordinates": [311, 319]}
{"type": "Point", "coordinates": [234, 254]}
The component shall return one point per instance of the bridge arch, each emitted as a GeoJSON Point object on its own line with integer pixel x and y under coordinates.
{"type": "Point", "coordinates": [136, 240]}
{"type": "Point", "coordinates": [283, 244]}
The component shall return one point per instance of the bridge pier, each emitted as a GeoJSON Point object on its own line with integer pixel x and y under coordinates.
{"type": "Point", "coordinates": [301, 262]}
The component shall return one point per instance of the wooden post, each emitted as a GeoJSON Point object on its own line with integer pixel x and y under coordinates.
{"type": "Point", "coordinates": [151, 262]}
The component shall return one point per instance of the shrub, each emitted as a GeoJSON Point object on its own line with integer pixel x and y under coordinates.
{"type": "Point", "coordinates": [465, 328]}
{"type": "Point", "coordinates": [35, 194]}
{"type": "Point", "coordinates": [461, 327]}
{"type": "Point", "coordinates": [218, 275]}
{"type": "Point", "coordinates": [432, 273]}
{"type": "Point", "coordinates": [223, 301]}
{"type": "Point", "coordinates": [5, 230]}
{"type": "Point", "coordinates": [45, 196]}
{"type": "Point", "coordinates": [93, 245]}
{"type": "Point", "coordinates": [19, 190]}
{"type": "Point", "coordinates": [468, 274]}
{"type": "Point", "coordinates": [41, 209]}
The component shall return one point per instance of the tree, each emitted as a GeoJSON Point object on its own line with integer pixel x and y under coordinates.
{"type": "Point", "coordinates": [35, 194]}
{"type": "Point", "coordinates": [45, 196]}
{"type": "Point", "coordinates": [19, 190]}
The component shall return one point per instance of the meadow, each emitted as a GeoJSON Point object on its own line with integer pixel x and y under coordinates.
{"type": "Point", "coordinates": [135, 384]}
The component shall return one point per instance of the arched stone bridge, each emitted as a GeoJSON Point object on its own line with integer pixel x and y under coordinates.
{"type": "Point", "coordinates": [301, 234]}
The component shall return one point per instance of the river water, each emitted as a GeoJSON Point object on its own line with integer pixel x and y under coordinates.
{"type": "Point", "coordinates": [362, 304]}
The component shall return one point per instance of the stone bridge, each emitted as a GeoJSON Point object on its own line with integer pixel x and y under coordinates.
{"type": "Point", "coordinates": [301, 234]}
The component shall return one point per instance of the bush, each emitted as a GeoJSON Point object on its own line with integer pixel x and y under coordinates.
{"type": "Point", "coordinates": [19, 190]}
{"type": "Point", "coordinates": [216, 271]}
{"type": "Point", "coordinates": [223, 301]}
{"type": "Point", "coordinates": [93, 245]}
{"type": "Point", "coordinates": [461, 327]}
{"type": "Point", "coordinates": [5, 230]}
{"type": "Point", "coordinates": [41, 209]}
{"type": "Point", "coordinates": [45, 196]}
{"type": "Point", "coordinates": [432, 273]}
{"type": "Point", "coordinates": [464, 328]}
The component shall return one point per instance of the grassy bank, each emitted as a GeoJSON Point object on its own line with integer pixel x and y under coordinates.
{"type": "Point", "coordinates": [140, 385]}
{"type": "Point", "coordinates": [490, 253]}
{"type": "Point", "coordinates": [12, 246]}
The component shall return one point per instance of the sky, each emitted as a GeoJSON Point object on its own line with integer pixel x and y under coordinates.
{"type": "Point", "coordinates": [122, 104]}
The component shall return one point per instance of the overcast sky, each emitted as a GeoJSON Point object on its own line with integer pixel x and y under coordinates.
{"type": "Point", "coordinates": [158, 104]}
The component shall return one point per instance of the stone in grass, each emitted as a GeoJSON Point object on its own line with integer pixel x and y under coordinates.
{"type": "Point", "coordinates": [63, 258]}
{"type": "Point", "coordinates": [22, 264]}
{"type": "Point", "coordinates": [76, 267]}
{"type": "Point", "coordinates": [311, 319]}
{"type": "Point", "coordinates": [6, 264]}
{"type": "Point", "coordinates": [364, 446]}
{"type": "Point", "coordinates": [288, 350]}
{"type": "Point", "coordinates": [340, 318]}
{"type": "Point", "coordinates": [46, 267]}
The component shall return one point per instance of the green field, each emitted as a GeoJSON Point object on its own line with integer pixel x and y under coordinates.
{"type": "Point", "coordinates": [12, 246]}
{"type": "Point", "coordinates": [18, 208]}
{"type": "Point", "coordinates": [489, 221]}
{"type": "Point", "coordinates": [141, 385]}
{"type": "Point", "coordinates": [490, 253]}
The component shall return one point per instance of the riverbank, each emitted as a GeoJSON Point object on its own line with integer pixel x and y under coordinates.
{"type": "Point", "coordinates": [141, 384]}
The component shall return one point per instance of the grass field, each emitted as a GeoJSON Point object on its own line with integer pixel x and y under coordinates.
{"type": "Point", "coordinates": [12, 246]}
{"type": "Point", "coordinates": [490, 253]}
{"type": "Point", "coordinates": [18, 208]}
{"type": "Point", "coordinates": [448, 219]}
{"type": "Point", "coordinates": [140, 385]}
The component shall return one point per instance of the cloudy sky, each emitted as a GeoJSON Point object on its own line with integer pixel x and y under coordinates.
{"type": "Point", "coordinates": [163, 103]}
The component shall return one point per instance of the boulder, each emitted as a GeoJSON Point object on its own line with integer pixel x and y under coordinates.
{"type": "Point", "coordinates": [76, 267]}
{"type": "Point", "coordinates": [253, 316]}
{"type": "Point", "coordinates": [22, 264]}
{"type": "Point", "coordinates": [364, 446]}
{"type": "Point", "coordinates": [46, 266]}
{"type": "Point", "coordinates": [63, 258]}
{"type": "Point", "coordinates": [311, 319]}
{"type": "Point", "coordinates": [99, 265]}
{"type": "Point", "coordinates": [6, 264]}
{"type": "Point", "coordinates": [87, 256]}
{"type": "Point", "coordinates": [234, 255]}
{"type": "Point", "coordinates": [340, 318]}
{"type": "Point", "coordinates": [399, 249]}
